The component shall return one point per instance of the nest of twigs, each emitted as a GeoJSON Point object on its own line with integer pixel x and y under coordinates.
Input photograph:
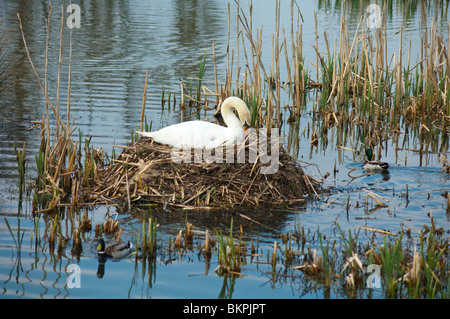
{"type": "Point", "coordinates": [146, 172]}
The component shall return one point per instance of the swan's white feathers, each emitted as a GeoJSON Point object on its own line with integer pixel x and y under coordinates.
{"type": "Point", "coordinates": [201, 134]}
{"type": "Point", "coordinates": [196, 134]}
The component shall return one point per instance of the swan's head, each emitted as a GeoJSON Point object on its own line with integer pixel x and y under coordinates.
{"type": "Point", "coordinates": [242, 109]}
{"type": "Point", "coordinates": [243, 112]}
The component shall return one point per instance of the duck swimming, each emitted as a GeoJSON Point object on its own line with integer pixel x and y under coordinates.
{"type": "Point", "coordinates": [115, 250]}
{"type": "Point", "coordinates": [201, 134]}
{"type": "Point", "coordinates": [370, 164]}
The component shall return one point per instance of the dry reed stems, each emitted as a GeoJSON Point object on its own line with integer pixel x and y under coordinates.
{"type": "Point", "coordinates": [57, 161]}
{"type": "Point", "coordinates": [145, 172]}
{"type": "Point", "coordinates": [360, 84]}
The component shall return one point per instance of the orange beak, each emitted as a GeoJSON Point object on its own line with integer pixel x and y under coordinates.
{"type": "Point", "coordinates": [245, 126]}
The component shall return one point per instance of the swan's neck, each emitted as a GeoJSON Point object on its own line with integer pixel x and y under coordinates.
{"type": "Point", "coordinates": [228, 116]}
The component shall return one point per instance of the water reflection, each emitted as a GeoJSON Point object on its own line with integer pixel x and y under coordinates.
{"type": "Point", "coordinates": [44, 254]}
{"type": "Point", "coordinates": [40, 268]}
{"type": "Point", "coordinates": [111, 51]}
{"type": "Point", "coordinates": [396, 12]}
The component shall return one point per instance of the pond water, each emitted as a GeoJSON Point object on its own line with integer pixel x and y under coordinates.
{"type": "Point", "coordinates": [116, 43]}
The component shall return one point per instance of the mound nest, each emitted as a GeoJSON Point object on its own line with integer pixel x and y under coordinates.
{"type": "Point", "coordinates": [148, 172]}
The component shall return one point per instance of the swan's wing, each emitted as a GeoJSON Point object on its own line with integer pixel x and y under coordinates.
{"type": "Point", "coordinates": [189, 134]}
{"type": "Point", "coordinates": [146, 134]}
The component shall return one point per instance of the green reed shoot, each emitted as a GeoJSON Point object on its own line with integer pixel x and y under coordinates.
{"type": "Point", "coordinates": [222, 256]}
{"type": "Point", "coordinates": [327, 82]}
{"type": "Point", "coordinates": [39, 195]}
{"type": "Point", "coordinates": [274, 256]}
{"type": "Point", "coordinates": [288, 254]}
{"type": "Point", "coordinates": [228, 258]}
{"type": "Point", "coordinates": [89, 166]}
{"type": "Point", "coordinates": [152, 233]}
{"type": "Point", "coordinates": [253, 103]}
{"type": "Point", "coordinates": [431, 261]}
{"type": "Point", "coordinates": [149, 235]}
{"type": "Point", "coordinates": [392, 259]}
{"type": "Point", "coordinates": [348, 243]}
{"type": "Point", "coordinates": [201, 74]}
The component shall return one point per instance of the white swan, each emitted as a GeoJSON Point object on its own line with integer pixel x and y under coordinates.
{"type": "Point", "coordinates": [201, 134]}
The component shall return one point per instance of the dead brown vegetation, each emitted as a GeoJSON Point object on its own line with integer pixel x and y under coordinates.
{"type": "Point", "coordinates": [146, 172]}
